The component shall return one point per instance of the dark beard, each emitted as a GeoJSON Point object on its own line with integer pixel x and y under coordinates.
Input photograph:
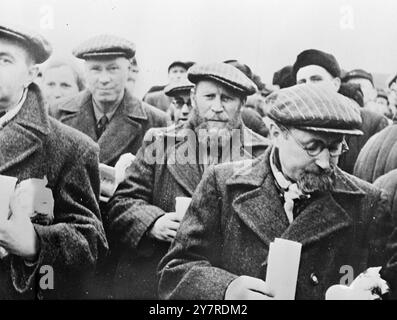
{"type": "Point", "coordinates": [311, 182]}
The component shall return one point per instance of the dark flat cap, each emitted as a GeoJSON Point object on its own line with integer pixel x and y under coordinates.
{"type": "Point", "coordinates": [176, 88]}
{"type": "Point", "coordinates": [283, 77]}
{"type": "Point", "coordinates": [358, 74]}
{"type": "Point", "coordinates": [105, 46]}
{"type": "Point", "coordinates": [318, 58]}
{"type": "Point", "coordinates": [315, 108]}
{"type": "Point", "coordinates": [223, 73]}
{"type": "Point", "coordinates": [38, 47]}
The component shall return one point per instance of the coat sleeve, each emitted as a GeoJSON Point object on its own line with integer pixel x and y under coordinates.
{"type": "Point", "coordinates": [388, 183]}
{"type": "Point", "coordinates": [190, 268]}
{"type": "Point", "coordinates": [76, 239]}
{"type": "Point", "coordinates": [130, 211]}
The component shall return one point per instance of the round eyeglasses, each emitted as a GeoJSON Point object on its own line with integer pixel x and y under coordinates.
{"type": "Point", "coordinates": [317, 147]}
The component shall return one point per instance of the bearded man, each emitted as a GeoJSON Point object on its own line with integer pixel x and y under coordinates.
{"type": "Point", "coordinates": [170, 164]}
{"type": "Point", "coordinates": [293, 191]}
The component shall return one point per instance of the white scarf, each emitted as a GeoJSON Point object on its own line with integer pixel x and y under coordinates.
{"type": "Point", "coordinates": [291, 190]}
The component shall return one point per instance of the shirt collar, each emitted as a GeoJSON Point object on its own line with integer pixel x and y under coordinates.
{"type": "Point", "coordinates": [99, 114]}
{"type": "Point", "coordinates": [281, 180]}
{"type": "Point", "coordinates": [12, 112]}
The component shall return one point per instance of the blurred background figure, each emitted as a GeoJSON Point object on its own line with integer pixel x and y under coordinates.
{"type": "Point", "coordinates": [366, 82]}
{"type": "Point", "coordinates": [381, 97]}
{"type": "Point", "coordinates": [61, 78]}
{"type": "Point", "coordinates": [283, 78]}
{"type": "Point", "coordinates": [156, 96]}
{"type": "Point", "coordinates": [181, 105]}
{"type": "Point", "coordinates": [382, 105]}
{"type": "Point", "coordinates": [391, 84]}
{"type": "Point", "coordinates": [133, 75]}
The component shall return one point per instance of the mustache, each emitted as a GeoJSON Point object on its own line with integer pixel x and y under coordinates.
{"type": "Point", "coordinates": [212, 116]}
{"type": "Point", "coordinates": [322, 181]}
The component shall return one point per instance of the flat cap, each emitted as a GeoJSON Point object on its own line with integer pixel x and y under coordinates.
{"type": "Point", "coordinates": [283, 77]}
{"type": "Point", "coordinates": [184, 64]}
{"type": "Point", "coordinates": [224, 73]}
{"type": "Point", "coordinates": [391, 79]}
{"type": "Point", "coordinates": [315, 108]}
{"type": "Point", "coordinates": [358, 74]}
{"type": "Point", "coordinates": [105, 46]}
{"type": "Point", "coordinates": [174, 88]}
{"type": "Point", "coordinates": [38, 47]}
{"type": "Point", "coordinates": [318, 58]}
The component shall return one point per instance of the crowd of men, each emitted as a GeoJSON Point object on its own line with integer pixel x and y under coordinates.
{"type": "Point", "coordinates": [311, 158]}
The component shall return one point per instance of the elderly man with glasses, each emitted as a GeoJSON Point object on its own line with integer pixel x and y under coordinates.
{"type": "Point", "coordinates": [293, 191]}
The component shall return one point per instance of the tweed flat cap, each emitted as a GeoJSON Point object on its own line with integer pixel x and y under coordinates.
{"type": "Point", "coordinates": [315, 108]}
{"type": "Point", "coordinates": [38, 47]}
{"type": "Point", "coordinates": [224, 73]}
{"type": "Point", "coordinates": [174, 88]}
{"type": "Point", "coordinates": [105, 46]}
{"type": "Point", "coordinates": [358, 74]}
{"type": "Point", "coordinates": [318, 58]}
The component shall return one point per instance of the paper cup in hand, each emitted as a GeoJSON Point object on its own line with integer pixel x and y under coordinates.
{"type": "Point", "coordinates": [182, 203]}
{"type": "Point", "coordinates": [7, 190]}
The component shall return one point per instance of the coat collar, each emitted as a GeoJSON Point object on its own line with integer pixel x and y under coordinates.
{"type": "Point", "coordinates": [261, 208]}
{"type": "Point", "coordinates": [182, 161]}
{"type": "Point", "coordinates": [125, 126]}
{"type": "Point", "coordinates": [131, 106]}
{"type": "Point", "coordinates": [25, 133]}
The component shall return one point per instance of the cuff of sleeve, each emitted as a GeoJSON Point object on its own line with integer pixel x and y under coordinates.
{"type": "Point", "coordinates": [23, 271]}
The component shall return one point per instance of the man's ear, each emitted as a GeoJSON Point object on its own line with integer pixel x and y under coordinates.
{"type": "Point", "coordinates": [33, 71]}
{"type": "Point", "coordinates": [337, 82]}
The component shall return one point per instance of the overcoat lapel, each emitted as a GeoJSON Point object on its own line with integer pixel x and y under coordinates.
{"type": "Point", "coordinates": [184, 169]}
{"type": "Point", "coordinates": [80, 115]}
{"type": "Point", "coordinates": [123, 129]}
{"type": "Point", "coordinates": [24, 134]}
{"type": "Point", "coordinates": [261, 207]}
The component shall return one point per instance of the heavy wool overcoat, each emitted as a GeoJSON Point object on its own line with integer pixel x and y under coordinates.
{"type": "Point", "coordinates": [235, 215]}
{"type": "Point", "coordinates": [148, 193]}
{"type": "Point", "coordinates": [378, 156]}
{"type": "Point", "coordinates": [34, 145]}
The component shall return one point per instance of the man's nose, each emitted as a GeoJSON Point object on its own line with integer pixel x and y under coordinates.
{"type": "Point", "coordinates": [217, 105]}
{"type": "Point", "coordinates": [56, 91]}
{"type": "Point", "coordinates": [104, 77]}
{"type": "Point", "coordinates": [323, 159]}
{"type": "Point", "coordinates": [185, 109]}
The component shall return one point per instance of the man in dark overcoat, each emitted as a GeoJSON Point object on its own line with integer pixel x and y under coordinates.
{"type": "Point", "coordinates": [68, 240]}
{"type": "Point", "coordinates": [106, 111]}
{"type": "Point", "coordinates": [170, 164]}
{"type": "Point", "coordinates": [293, 191]}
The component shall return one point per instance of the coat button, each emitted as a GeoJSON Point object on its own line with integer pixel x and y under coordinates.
{"type": "Point", "coordinates": [314, 279]}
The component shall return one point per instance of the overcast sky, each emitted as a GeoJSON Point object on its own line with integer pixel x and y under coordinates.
{"type": "Point", "coordinates": [265, 34]}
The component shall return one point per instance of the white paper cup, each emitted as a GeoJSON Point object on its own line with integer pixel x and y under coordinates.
{"type": "Point", "coordinates": [7, 187]}
{"type": "Point", "coordinates": [182, 203]}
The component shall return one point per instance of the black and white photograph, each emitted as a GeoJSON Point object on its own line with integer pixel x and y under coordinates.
{"type": "Point", "coordinates": [198, 150]}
